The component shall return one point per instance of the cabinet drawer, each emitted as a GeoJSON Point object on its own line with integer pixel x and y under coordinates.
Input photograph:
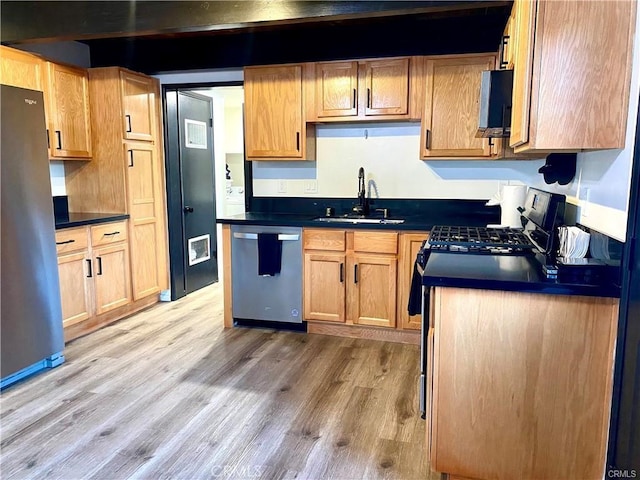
{"type": "Point", "coordinates": [72, 239]}
{"type": "Point", "coordinates": [375, 242]}
{"type": "Point", "coordinates": [108, 233]}
{"type": "Point", "coordinates": [318, 239]}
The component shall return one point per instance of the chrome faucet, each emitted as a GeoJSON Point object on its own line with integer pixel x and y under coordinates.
{"type": "Point", "coordinates": [363, 203]}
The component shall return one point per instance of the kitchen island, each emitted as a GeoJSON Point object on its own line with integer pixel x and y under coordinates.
{"type": "Point", "coordinates": [518, 369]}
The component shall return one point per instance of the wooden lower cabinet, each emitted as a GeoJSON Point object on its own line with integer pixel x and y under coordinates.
{"type": "Point", "coordinates": [112, 277]}
{"type": "Point", "coordinates": [408, 246]}
{"type": "Point", "coordinates": [521, 384]}
{"type": "Point", "coordinates": [373, 290]}
{"type": "Point", "coordinates": [95, 276]}
{"type": "Point", "coordinates": [324, 295]}
{"type": "Point", "coordinates": [76, 289]}
{"type": "Point", "coordinates": [348, 286]}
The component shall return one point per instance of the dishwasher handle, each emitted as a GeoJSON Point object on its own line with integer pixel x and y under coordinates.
{"type": "Point", "coordinates": [254, 236]}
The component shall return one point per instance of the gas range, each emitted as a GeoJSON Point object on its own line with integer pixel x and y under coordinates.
{"type": "Point", "coordinates": [480, 240]}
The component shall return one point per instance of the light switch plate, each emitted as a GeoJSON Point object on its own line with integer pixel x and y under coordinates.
{"type": "Point", "coordinates": [282, 186]}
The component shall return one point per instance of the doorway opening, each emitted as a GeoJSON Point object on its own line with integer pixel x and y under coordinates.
{"type": "Point", "coordinates": [205, 177]}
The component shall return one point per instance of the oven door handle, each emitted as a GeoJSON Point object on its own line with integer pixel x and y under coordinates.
{"type": "Point", "coordinates": [254, 236]}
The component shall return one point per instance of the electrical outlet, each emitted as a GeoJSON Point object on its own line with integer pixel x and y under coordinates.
{"type": "Point", "coordinates": [282, 186]}
{"type": "Point", "coordinates": [311, 186]}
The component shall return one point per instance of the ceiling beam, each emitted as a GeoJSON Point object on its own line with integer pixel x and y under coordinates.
{"type": "Point", "coordinates": [45, 21]}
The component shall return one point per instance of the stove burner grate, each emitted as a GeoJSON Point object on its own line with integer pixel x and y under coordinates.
{"type": "Point", "coordinates": [479, 238]}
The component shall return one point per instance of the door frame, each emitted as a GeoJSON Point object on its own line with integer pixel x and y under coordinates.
{"type": "Point", "coordinates": [177, 262]}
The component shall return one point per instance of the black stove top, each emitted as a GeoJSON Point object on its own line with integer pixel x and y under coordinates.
{"type": "Point", "coordinates": [479, 239]}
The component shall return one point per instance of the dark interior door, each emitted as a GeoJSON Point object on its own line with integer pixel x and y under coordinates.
{"type": "Point", "coordinates": [195, 117]}
{"type": "Point", "coordinates": [190, 191]}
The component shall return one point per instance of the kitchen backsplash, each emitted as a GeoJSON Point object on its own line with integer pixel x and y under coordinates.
{"type": "Point", "coordinates": [389, 153]}
{"type": "Point", "coordinates": [56, 172]}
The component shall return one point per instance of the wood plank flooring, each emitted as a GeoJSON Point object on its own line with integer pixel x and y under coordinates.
{"type": "Point", "coordinates": [168, 393]}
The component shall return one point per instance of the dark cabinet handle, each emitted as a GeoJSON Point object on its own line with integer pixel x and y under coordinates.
{"type": "Point", "coordinates": [99, 259]}
{"type": "Point", "coordinates": [505, 42]}
{"type": "Point", "coordinates": [355, 273]}
{"type": "Point", "coordinates": [368, 98]}
{"type": "Point", "coordinates": [298, 141]}
{"type": "Point", "coordinates": [130, 157]}
{"type": "Point", "coordinates": [65, 242]}
{"type": "Point", "coordinates": [48, 139]}
{"type": "Point", "coordinates": [111, 233]}
{"type": "Point", "coordinates": [90, 273]}
{"type": "Point", "coordinates": [188, 209]}
{"type": "Point", "coordinates": [59, 137]}
{"type": "Point", "coordinates": [427, 139]}
{"type": "Point", "coordinates": [341, 272]}
{"type": "Point", "coordinates": [128, 117]}
{"type": "Point", "coordinates": [354, 98]}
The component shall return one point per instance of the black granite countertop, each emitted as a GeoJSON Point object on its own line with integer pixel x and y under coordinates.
{"type": "Point", "coordinates": [519, 273]}
{"type": "Point", "coordinates": [88, 218]}
{"type": "Point", "coordinates": [418, 215]}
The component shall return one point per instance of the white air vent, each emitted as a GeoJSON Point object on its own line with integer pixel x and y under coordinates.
{"type": "Point", "coordinates": [195, 134]}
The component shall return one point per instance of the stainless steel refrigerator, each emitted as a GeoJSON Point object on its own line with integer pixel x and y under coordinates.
{"type": "Point", "coordinates": [30, 312]}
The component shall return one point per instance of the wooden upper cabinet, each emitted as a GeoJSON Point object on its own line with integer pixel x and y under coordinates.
{"type": "Point", "coordinates": [69, 118]}
{"type": "Point", "coordinates": [387, 87]}
{"type": "Point", "coordinates": [274, 123]}
{"type": "Point", "coordinates": [507, 44]}
{"type": "Point", "coordinates": [572, 71]}
{"type": "Point", "coordinates": [366, 90]}
{"type": "Point", "coordinates": [337, 89]}
{"type": "Point", "coordinates": [523, 14]}
{"type": "Point", "coordinates": [138, 97]}
{"type": "Point", "coordinates": [21, 69]}
{"type": "Point", "coordinates": [450, 117]}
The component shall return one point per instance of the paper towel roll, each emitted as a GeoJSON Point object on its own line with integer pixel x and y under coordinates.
{"type": "Point", "coordinates": [513, 196]}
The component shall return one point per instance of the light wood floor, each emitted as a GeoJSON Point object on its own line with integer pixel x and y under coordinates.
{"type": "Point", "coordinates": [168, 393]}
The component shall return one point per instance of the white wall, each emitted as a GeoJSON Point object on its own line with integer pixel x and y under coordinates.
{"type": "Point", "coordinates": [389, 153]}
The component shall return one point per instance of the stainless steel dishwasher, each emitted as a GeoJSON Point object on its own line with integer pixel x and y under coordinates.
{"type": "Point", "coordinates": [276, 298]}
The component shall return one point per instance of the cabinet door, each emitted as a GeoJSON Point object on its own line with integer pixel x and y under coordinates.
{"type": "Point", "coordinates": [336, 89]}
{"type": "Point", "coordinates": [139, 106]}
{"type": "Point", "coordinates": [324, 286]}
{"type": "Point", "coordinates": [112, 278]}
{"type": "Point", "coordinates": [524, 17]}
{"type": "Point", "coordinates": [143, 196]}
{"type": "Point", "coordinates": [410, 243]}
{"type": "Point", "coordinates": [273, 104]}
{"type": "Point", "coordinates": [387, 84]}
{"type": "Point", "coordinates": [75, 271]}
{"type": "Point", "coordinates": [450, 118]}
{"type": "Point", "coordinates": [21, 69]}
{"type": "Point", "coordinates": [70, 135]}
{"type": "Point", "coordinates": [373, 282]}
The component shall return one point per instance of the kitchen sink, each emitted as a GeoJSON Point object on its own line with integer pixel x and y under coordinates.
{"type": "Point", "coordinates": [356, 220]}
